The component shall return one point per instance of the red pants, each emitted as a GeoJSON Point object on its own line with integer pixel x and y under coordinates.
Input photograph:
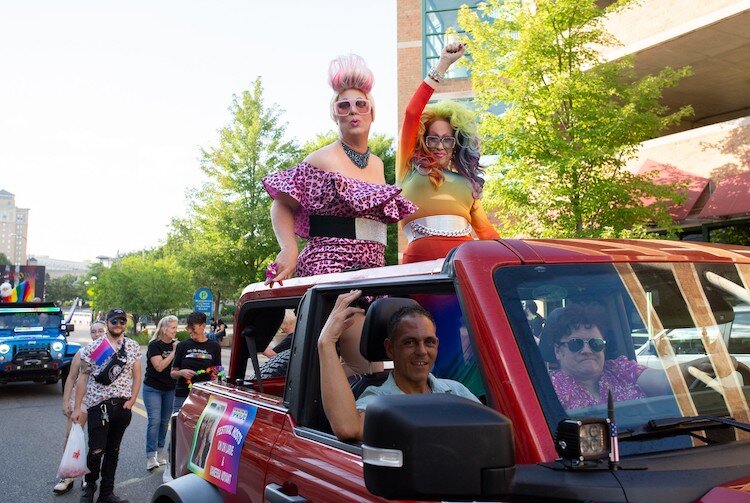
{"type": "Point", "coordinates": [431, 248]}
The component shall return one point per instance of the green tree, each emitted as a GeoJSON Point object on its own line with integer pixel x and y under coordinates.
{"type": "Point", "coordinates": [227, 239]}
{"type": "Point", "coordinates": [572, 122]}
{"type": "Point", "coordinates": [64, 289]}
{"type": "Point", "coordinates": [383, 147]}
{"type": "Point", "coordinates": [4, 260]}
{"type": "Point", "coordinates": [144, 285]}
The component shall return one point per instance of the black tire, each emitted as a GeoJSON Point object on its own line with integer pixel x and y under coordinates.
{"type": "Point", "coordinates": [276, 366]}
{"type": "Point", "coordinates": [64, 377]}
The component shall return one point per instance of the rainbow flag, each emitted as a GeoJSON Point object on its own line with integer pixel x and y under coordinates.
{"type": "Point", "coordinates": [102, 352]}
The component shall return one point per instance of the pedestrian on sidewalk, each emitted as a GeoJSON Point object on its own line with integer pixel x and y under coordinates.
{"type": "Point", "coordinates": [158, 389]}
{"type": "Point", "coordinates": [108, 388]}
{"type": "Point", "coordinates": [194, 358]}
{"type": "Point", "coordinates": [197, 359]}
{"type": "Point", "coordinates": [97, 331]}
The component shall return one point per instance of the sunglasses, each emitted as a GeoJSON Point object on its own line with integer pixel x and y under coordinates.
{"type": "Point", "coordinates": [575, 345]}
{"type": "Point", "coordinates": [447, 141]}
{"type": "Point", "coordinates": [117, 321]}
{"type": "Point", "coordinates": [345, 106]}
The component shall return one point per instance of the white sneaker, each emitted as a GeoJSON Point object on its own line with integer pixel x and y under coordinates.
{"type": "Point", "coordinates": [151, 463]}
{"type": "Point", "coordinates": [63, 486]}
{"type": "Point", "coordinates": [160, 458]}
{"type": "Point", "coordinates": [167, 475]}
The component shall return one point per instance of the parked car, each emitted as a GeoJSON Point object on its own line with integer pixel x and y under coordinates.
{"type": "Point", "coordinates": [688, 345]}
{"type": "Point", "coordinates": [252, 439]}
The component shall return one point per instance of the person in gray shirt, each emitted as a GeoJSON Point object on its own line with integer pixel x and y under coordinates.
{"type": "Point", "coordinates": [412, 344]}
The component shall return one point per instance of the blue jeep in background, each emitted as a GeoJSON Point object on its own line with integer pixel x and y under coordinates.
{"type": "Point", "coordinates": [33, 343]}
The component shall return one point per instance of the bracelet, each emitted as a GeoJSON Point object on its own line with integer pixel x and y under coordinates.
{"type": "Point", "coordinates": [435, 75]}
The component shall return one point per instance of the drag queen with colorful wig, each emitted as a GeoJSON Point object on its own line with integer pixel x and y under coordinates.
{"type": "Point", "coordinates": [438, 169]}
{"type": "Point", "coordinates": [337, 198]}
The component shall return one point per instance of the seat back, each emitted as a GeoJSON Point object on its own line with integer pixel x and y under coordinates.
{"type": "Point", "coordinates": [375, 329]}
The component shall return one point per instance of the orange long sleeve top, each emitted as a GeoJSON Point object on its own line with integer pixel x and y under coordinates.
{"type": "Point", "coordinates": [454, 196]}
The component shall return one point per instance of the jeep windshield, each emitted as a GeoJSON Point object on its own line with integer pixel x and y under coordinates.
{"type": "Point", "coordinates": [696, 319]}
{"type": "Point", "coordinates": [29, 319]}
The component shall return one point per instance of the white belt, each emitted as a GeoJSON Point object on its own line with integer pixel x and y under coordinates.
{"type": "Point", "coordinates": [371, 230]}
{"type": "Point", "coordinates": [449, 226]}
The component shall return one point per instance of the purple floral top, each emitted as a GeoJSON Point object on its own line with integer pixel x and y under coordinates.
{"type": "Point", "coordinates": [321, 192]}
{"type": "Point", "coordinates": [619, 375]}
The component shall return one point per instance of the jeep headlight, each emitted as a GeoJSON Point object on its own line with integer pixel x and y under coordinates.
{"type": "Point", "coordinates": [57, 346]}
{"type": "Point", "coordinates": [4, 348]}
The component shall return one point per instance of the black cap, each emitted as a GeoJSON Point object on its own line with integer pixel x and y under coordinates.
{"type": "Point", "coordinates": [116, 313]}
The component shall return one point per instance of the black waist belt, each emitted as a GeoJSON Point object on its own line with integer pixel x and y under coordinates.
{"type": "Point", "coordinates": [349, 228]}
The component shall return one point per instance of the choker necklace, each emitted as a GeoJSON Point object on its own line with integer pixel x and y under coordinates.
{"type": "Point", "coordinates": [359, 159]}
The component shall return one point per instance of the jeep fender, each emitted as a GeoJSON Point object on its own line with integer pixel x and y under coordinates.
{"type": "Point", "coordinates": [187, 489]}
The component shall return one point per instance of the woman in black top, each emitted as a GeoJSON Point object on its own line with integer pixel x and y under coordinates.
{"type": "Point", "coordinates": [158, 389]}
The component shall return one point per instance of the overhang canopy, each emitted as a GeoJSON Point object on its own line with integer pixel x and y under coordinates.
{"type": "Point", "coordinates": [731, 198]}
{"type": "Point", "coordinates": [666, 174]}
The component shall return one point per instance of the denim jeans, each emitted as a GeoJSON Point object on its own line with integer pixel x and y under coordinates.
{"type": "Point", "coordinates": [159, 408]}
{"type": "Point", "coordinates": [178, 401]}
{"type": "Point", "coordinates": [107, 422]}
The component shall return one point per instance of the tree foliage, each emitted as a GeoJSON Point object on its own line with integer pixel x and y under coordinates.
{"type": "Point", "coordinates": [64, 289]}
{"type": "Point", "coordinates": [572, 119]}
{"type": "Point", "coordinates": [4, 260]}
{"type": "Point", "coordinates": [383, 147]}
{"type": "Point", "coordinates": [226, 239]}
{"type": "Point", "coordinates": [143, 285]}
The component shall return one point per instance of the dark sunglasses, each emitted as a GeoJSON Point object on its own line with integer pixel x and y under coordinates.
{"type": "Point", "coordinates": [575, 345]}
{"type": "Point", "coordinates": [117, 321]}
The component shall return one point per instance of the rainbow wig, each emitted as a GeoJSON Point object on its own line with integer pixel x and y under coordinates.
{"type": "Point", "coordinates": [350, 72]}
{"type": "Point", "coordinates": [465, 159]}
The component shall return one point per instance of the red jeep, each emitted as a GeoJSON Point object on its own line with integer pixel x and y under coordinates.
{"type": "Point", "coordinates": [254, 440]}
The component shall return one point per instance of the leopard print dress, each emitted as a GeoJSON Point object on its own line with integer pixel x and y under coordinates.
{"type": "Point", "coordinates": [328, 193]}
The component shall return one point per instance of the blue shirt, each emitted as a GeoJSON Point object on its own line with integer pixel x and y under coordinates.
{"type": "Point", "coordinates": [437, 385]}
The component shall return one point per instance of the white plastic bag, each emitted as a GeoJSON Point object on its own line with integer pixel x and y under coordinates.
{"type": "Point", "coordinates": [73, 462]}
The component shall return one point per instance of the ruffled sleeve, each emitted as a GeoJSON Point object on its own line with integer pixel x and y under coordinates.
{"type": "Point", "coordinates": [290, 181]}
{"type": "Point", "coordinates": [321, 192]}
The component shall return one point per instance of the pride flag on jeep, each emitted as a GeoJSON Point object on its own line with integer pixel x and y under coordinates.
{"type": "Point", "coordinates": [102, 352]}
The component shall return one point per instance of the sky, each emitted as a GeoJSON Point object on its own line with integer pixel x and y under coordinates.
{"type": "Point", "coordinates": [104, 106]}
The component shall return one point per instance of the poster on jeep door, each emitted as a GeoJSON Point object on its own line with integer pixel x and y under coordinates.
{"type": "Point", "coordinates": [21, 283]}
{"type": "Point", "coordinates": [217, 441]}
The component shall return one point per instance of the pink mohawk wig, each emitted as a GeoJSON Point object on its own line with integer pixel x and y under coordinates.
{"type": "Point", "coordinates": [350, 72]}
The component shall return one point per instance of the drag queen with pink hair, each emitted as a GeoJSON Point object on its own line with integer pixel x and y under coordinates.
{"type": "Point", "coordinates": [337, 198]}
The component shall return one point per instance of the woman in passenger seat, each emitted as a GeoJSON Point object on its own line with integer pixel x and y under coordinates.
{"type": "Point", "coordinates": [585, 377]}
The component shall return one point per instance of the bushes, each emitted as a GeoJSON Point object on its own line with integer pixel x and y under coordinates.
{"type": "Point", "coordinates": [144, 336]}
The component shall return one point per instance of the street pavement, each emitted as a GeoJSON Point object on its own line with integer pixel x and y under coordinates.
{"type": "Point", "coordinates": [32, 430]}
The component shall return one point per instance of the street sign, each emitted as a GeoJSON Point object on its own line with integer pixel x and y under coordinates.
{"type": "Point", "coordinates": [203, 300]}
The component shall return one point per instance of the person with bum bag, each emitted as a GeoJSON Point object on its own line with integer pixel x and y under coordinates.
{"type": "Point", "coordinates": [108, 387]}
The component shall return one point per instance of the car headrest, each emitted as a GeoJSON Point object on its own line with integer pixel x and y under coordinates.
{"type": "Point", "coordinates": [546, 343]}
{"type": "Point", "coordinates": [375, 330]}
{"type": "Point", "coordinates": [262, 325]}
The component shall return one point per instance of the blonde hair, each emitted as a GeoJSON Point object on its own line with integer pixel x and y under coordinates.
{"type": "Point", "coordinates": [350, 72]}
{"type": "Point", "coordinates": [162, 326]}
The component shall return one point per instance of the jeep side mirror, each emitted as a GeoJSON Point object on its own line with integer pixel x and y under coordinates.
{"type": "Point", "coordinates": [67, 328]}
{"type": "Point", "coordinates": [436, 447]}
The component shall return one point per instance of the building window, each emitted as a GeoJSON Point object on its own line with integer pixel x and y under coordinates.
{"type": "Point", "coordinates": [439, 17]}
